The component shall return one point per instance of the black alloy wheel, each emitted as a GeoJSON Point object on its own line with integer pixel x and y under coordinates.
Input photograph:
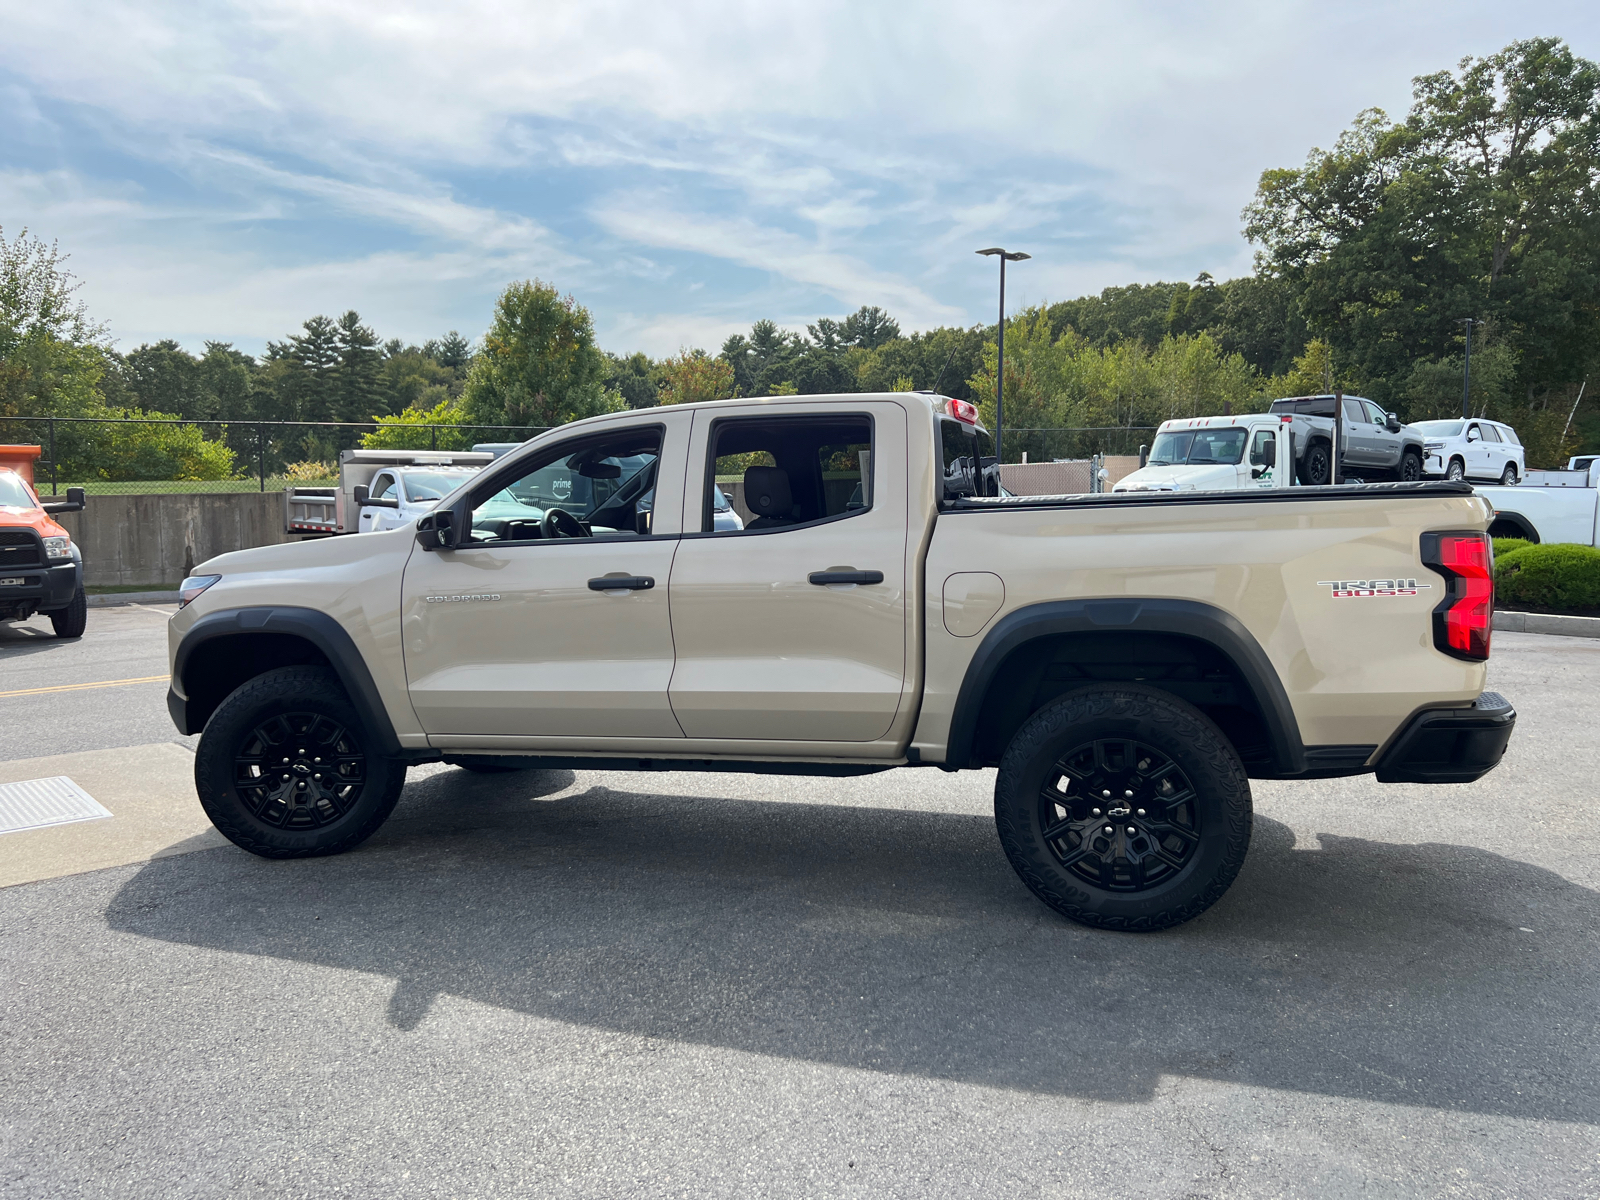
{"type": "Point", "coordinates": [299, 770]}
{"type": "Point", "coordinates": [286, 769]}
{"type": "Point", "coordinates": [1119, 814]}
{"type": "Point", "coordinates": [1508, 477]}
{"type": "Point", "coordinates": [1410, 466]}
{"type": "Point", "coordinates": [1317, 466]}
{"type": "Point", "coordinates": [1123, 807]}
{"type": "Point", "coordinates": [1456, 471]}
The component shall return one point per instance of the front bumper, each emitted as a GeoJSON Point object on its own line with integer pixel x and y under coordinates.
{"type": "Point", "coordinates": [40, 589]}
{"type": "Point", "coordinates": [1450, 745]}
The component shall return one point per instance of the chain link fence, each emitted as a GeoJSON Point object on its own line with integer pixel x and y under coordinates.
{"type": "Point", "coordinates": [144, 455]}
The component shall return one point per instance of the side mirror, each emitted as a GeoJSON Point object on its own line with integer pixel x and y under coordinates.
{"type": "Point", "coordinates": [436, 530]}
{"type": "Point", "coordinates": [1392, 424]}
{"type": "Point", "coordinates": [1472, 435]}
{"type": "Point", "coordinates": [1144, 456]}
{"type": "Point", "coordinates": [361, 492]}
{"type": "Point", "coordinates": [73, 503]}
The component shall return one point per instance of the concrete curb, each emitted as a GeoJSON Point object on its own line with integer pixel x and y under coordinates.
{"type": "Point", "coordinates": [1521, 622]}
{"type": "Point", "coordinates": [112, 599]}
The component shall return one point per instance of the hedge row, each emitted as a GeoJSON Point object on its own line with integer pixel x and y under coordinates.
{"type": "Point", "coordinates": [1559, 577]}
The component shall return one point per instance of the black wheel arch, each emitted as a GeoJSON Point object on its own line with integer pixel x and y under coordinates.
{"type": "Point", "coordinates": [1219, 632]}
{"type": "Point", "coordinates": [1510, 524]}
{"type": "Point", "coordinates": [229, 647]}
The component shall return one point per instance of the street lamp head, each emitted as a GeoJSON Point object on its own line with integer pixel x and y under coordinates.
{"type": "Point", "coordinates": [992, 250]}
{"type": "Point", "coordinates": [1018, 256]}
{"type": "Point", "coordinates": [1008, 255]}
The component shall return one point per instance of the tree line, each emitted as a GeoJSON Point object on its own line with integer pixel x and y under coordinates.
{"type": "Point", "coordinates": [1483, 202]}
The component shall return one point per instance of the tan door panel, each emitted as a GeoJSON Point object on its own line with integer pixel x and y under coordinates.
{"type": "Point", "coordinates": [512, 641]}
{"type": "Point", "coordinates": [764, 653]}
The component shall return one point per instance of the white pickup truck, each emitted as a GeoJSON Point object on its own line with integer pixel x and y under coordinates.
{"type": "Point", "coordinates": [1550, 506]}
{"type": "Point", "coordinates": [370, 490]}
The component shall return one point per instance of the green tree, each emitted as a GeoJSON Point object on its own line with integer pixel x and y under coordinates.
{"type": "Point", "coordinates": [52, 354]}
{"type": "Point", "coordinates": [634, 379]}
{"type": "Point", "coordinates": [357, 385]}
{"type": "Point", "coordinates": [691, 376]}
{"type": "Point", "coordinates": [1484, 202]}
{"type": "Point", "coordinates": [764, 360]}
{"type": "Point", "coordinates": [943, 359]}
{"type": "Point", "coordinates": [165, 376]}
{"type": "Point", "coordinates": [539, 365]}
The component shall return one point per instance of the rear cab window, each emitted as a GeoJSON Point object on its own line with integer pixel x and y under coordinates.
{"type": "Point", "coordinates": [968, 465]}
{"type": "Point", "coordinates": [788, 472]}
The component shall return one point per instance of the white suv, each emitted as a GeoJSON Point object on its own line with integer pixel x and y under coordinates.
{"type": "Point", "coordinates": [1475, 449]}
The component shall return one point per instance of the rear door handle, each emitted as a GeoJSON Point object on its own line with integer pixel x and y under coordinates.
{"type": "Point", "coordinates": [823, 578]}
{"type": "Point", "coordinates": [620, 583]}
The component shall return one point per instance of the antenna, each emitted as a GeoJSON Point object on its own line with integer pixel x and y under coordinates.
{"type": "Point", "coordinates": [940, 377]}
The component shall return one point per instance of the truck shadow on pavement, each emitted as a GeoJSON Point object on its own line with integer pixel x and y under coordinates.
{"type": "Point", "coordinates": [901, 942]}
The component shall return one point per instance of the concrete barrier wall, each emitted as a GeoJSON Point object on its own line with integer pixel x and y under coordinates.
{"type": "Point", "coordinates": [154, 540]}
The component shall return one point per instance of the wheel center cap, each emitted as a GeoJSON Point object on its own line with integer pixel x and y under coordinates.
{"type": "Point", "coordinates": [302, 768]}
{"type": "Point", "coordinates": [1119, 810]}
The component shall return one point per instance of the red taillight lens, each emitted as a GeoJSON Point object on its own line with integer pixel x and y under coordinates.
{"type": "Point", "coordinates": [963, 411]}
{"type": "Point", "coordinates": [1463, 620]}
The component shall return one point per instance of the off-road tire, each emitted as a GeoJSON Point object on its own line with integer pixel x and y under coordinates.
{"type": "Point", "coordinates": [312, 699]}
{"type": "Point", "coordinates": [1188, 740]}
{"type": "Point", "coordinates": [1508, 477]}
{"type": "Point", "coordinates": [71, 621]}
{"type": "Point", "coordinates": [1410, 467]}
{"type": "Point", "coordinates": [1316, 464]}
{"type": "Point", "coordinates": [1455, 471]}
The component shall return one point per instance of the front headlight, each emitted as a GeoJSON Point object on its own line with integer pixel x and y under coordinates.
{"type": "Point", "coordinates": [58, 547]}
{"type": "Point", "coordinates": [191, 588]}
{"type": "Point", "coordinates": [1433, 447]}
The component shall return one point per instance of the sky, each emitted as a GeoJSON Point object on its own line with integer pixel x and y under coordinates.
{"type": "Point", "coordinates": [224, 170]}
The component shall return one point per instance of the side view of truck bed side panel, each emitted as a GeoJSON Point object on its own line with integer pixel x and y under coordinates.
{"type": "Point", "coordinates": [1270, 567]}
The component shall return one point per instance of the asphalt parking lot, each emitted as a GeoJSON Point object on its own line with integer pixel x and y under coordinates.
{"type": "Point", "coordinates": [602, 984]}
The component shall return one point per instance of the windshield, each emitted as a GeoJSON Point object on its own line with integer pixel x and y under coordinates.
{"type": "Point", "coordinates": [1202, 446]}
{"type": "Point", "coordinates": [1441, 429]}
{"type": "Point", "coordinates": [13, 492]}
{"type": "Point", "coordinates": [433, 485]}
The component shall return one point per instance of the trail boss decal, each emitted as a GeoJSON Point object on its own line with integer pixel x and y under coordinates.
{"type": "Point", "coordinates": [1361, 589]}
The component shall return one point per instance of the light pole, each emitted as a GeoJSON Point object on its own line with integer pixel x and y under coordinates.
{"type": "Point", "coordinates": [1000, 349]}
{"type": "Point", "coordinates": [1466, 372]}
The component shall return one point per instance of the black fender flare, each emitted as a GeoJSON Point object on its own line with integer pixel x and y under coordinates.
{"type": "Point", "coordinates": [1189, 618]}
{"type": "Point", "coordinates": [309, 624]}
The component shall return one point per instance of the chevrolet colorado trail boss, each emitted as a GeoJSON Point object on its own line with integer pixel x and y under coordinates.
{"type": "Point", "coordinates": [1127, 661]}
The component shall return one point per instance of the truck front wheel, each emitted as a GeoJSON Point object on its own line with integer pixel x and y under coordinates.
{"type": "Point", "coordinates": [1123, 808]}
{"type": "Point", "coordinates": [72, 620]}
{"type": "Point", "coordinates": [285, 768]}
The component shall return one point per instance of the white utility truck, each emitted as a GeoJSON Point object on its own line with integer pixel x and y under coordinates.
{"type": "Point", "coordinates": [1224, 454]}
{"type": "Point", "coordinates": [1549, 506]}
{"type": "Point", "coordinates": [321, 511]}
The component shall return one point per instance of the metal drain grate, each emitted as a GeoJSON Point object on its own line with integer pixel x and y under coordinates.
{"type": "Point", "coordinates": [36, 803]}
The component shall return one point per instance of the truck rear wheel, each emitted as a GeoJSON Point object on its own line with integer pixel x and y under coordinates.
{"type": "Point", "coordinates": [285, 768]}
{"type": "Point", "coordinates": [1123, 808]}
{"type": "Point", "coordinates": [1316, 465]}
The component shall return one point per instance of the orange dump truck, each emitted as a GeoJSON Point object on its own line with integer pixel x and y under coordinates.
{"type": "Point", "coordinates": [41, 571]}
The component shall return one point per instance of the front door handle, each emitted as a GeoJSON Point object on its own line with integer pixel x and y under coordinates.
{"type": "Point", "coordinates": [823, 578]}
{"type": "Point", "coordinates": [621, 583]}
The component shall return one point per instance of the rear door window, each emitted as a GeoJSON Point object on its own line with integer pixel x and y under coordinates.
{"type": "Point", "coordinates": [789, 471]}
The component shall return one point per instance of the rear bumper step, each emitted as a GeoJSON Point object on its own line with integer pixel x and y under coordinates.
{"type": "Point", "coordinates": [1450, 745]}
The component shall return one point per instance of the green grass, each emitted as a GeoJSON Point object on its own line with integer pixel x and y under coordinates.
{"type": "Point", "coordinates": [147, 487]}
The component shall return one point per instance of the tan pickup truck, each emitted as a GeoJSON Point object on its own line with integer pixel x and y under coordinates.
{"type": "Point", "coordinates": [1127, 661]}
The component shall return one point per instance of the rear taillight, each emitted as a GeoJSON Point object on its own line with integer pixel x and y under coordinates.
{"type": "Point", "coordinates": [1462, 620]}
{"type": "Point", "coordinates": [961, 410]}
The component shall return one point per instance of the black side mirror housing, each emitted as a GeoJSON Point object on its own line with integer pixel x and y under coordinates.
{"type": "Point", "coordinates": [1144, 456]}
{"type": "Point", "coordinates": [436, 530]}
{"type": "Point", "coordinates": [1393, 423]}
{"type": "Point", "coordinates": [361, 492]}
{"type": "Point", "coordinates": [73, 503]}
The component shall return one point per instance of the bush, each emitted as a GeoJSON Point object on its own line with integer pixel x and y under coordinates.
{"type": "Point", "coordinates": [409, 430]}
{"type": "Point", "coordinates": [1504, 546]}
{"type": "Point", "coordinates": [121, 449]}
{"type": "Point", "coordinates": [1560, 578]}
{"type": "Point", "coordinates": [311, 471]}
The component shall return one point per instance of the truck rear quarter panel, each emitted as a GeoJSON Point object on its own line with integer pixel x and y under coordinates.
{"type": "Point", "coordinates": [1353, 668]}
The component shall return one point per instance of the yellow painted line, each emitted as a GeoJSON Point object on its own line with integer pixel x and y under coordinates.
{"type": "Point", "coordinates": [81, 687]}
